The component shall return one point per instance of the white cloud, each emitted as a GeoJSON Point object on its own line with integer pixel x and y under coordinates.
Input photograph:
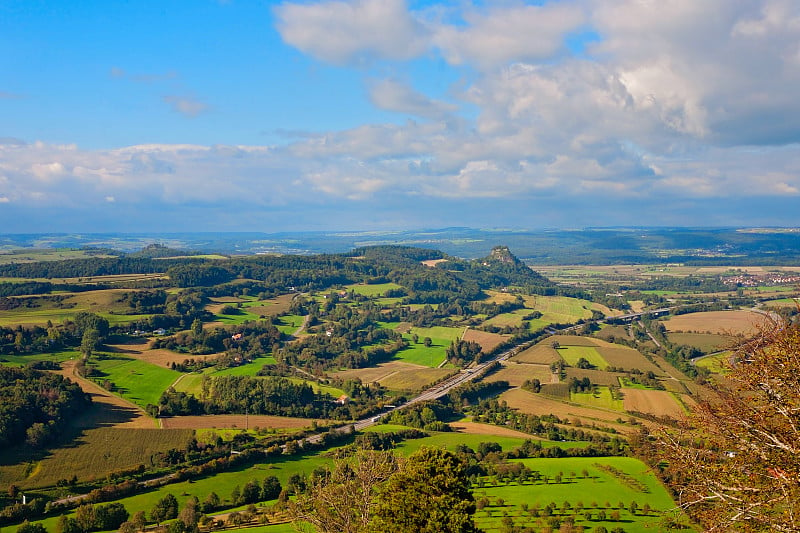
{"type": "Point", "coordinates": [186, 105]}
{"type": "Point", "coordinates": [498, 34]}
{"type": "Point", "coordinates": [343, 32]}
{"type": "Point", "coordinates": [393, 95]}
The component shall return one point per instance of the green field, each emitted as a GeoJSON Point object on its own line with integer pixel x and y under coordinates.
{"type": "Point", "coordinates": [451, 440]}
{"type": "Point", "coordinates": [602, 399]}
{"type": "Point", "coordinates": [571, 355]}
{"type": "Point", "coordinates": [38, 316]}
{"type": "Point", "coordinates": [716, 363]}
{"type": "Point", "coordinates": [22, 360]}
{"type": "Point", "coordinates": [138, 381]}
{"type": "Point", "coordinates": [288, 324]}
{"type": "Point", "coordinates": [433, 356]}
{"type": "Point", "coordinates": [372, 290]}
{"type": "Point", "coordinates": [600, 491]}
{"type": "Point", "coordinates": [559, 309]}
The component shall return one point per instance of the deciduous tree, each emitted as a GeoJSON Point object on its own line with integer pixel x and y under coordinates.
{"type": "Point", "coordinates": [740, 468]}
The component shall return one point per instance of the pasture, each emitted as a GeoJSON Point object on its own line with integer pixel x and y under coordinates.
{"type": "Point", "coordinates": [717, 363]}
{"type": "Point", "coordinates": [372, 291]}
{"type": "Point", "coordinates": [432, 356]}
{"type": "Point", "coordinates": [562, 309]}
{"type": "Point", "coordinates": [40, 309]}
{"type": "Point", "coordinates": [572, 354]}
{"type": "Point", "coordinates": [138, 381]}
{"type": "Point", "coordinates": [601, 399]}
{"type": "Point", "coordinates": [33, 255]}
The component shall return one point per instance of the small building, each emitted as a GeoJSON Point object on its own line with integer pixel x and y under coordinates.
{"type": "Point", "coordinates": [343, 399]}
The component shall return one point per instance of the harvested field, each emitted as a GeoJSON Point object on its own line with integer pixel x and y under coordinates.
{"type": "Point", "coordinates": [627, 358]}
{"type": "Point", "coordinates": [654, 402]}
{"type": "Point", "coordinates": [96, 453]}
{"type": "Point", "coordinates": [598, 377]}
{"type": "Point", "coordinates": [703, 341]}
{"type": "Point", "coordinates": [499, 297]}
{"type": "Point", "coordinates": [397, 375]}
{"type": "Point", "coordinates": [226, 300]}
{"type": "Point", "coordinates": [512, 319]}
{"type": "Point", "coordinates": [571, 340]}
{"type": "Point", "coordinates": [159, 357]}
{"type": "Point", "coordinates": [488, 341]}
{"type": "Point", "coordinates": [674, 385]}
{"type": "Point", "coordinates": [433, 262]}
{"type": "Point", "coordinates": [536, 404]}
{"type": "Point", "coordinates": [618, 332]}
{"type": "Point", "coordinates": [416, 379]}
{"type": "Point", "coordinates": [234, 421]}
{"type": "Point", "coordinates": [540, 354]}
{"type": "Point", "coordinates": [637, 306]}
{"type": "Point", "coordinates": [517, 373]}
{"type": "Point", "coordinates": [475, 428]}
{"type": "Point", "coordinates": [716, 322]}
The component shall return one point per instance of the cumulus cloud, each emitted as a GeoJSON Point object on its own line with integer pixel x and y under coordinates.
{"type": "Point", "coordinates": [679, 103]}
{"type": "Point", "coordinates": [497, 34]}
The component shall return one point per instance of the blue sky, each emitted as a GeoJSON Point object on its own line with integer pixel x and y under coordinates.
{"type": "Point", "coordinates": [389, 114]}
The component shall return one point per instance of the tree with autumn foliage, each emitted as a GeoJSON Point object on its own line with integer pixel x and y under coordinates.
{"type": "Point", "coordinates": [739, 468]}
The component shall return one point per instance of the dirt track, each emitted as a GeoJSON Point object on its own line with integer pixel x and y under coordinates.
{"type": "Point", "coordinates": [108, 409]}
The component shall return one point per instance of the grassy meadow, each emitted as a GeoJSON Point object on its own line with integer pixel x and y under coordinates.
{"type": "Point", "coordinates": [138, 381]}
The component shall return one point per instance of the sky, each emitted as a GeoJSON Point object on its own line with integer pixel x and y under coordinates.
{"type": "Point", "coordinates": [245, 115]}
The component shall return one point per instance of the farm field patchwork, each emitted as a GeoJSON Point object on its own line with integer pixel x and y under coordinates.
{"type": "Point", "coordinates": [538, 404]}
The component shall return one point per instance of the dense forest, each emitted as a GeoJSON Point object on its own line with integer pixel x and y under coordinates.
{"type": "Point", "coordinates": [35, 406]}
